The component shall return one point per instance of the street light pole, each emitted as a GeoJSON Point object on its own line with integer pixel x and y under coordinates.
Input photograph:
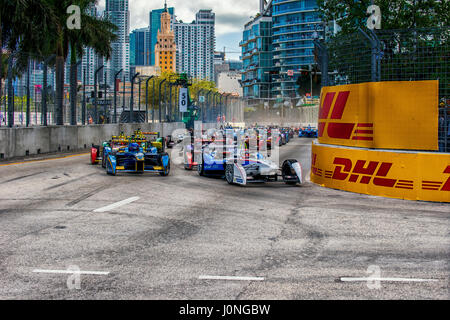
{"type": "Point", "coordinates": [160, 84]}
{"type": "Point", "coordinates": [153, 100]}
{"type": "Point", "coordinates": [44, 98]}
{"type": "Point", "coordinates": [146, 97]}
{"type": "Point", "coordinates": [132, 97]}
{"type": "Point", "coordinates": [95, 95]}
{"type": "Point", "coordinates": [83, 105]}
{"type": "Point", "coordinates": [104, 106]}
{"type": "Point", "coordinates": [115, 95]}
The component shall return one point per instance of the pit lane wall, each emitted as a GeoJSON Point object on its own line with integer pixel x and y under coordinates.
{"type": "Point", "coordinates": [395, 174]}
{"type": "Point", "coordinates": [376, 138]}
{"type": "Point", "coordinates": [19, 142]}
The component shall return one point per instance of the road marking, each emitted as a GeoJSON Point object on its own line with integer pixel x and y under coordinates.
{"type": "Point", "coordinates": [97, 273]}
{"type": "Point", "coordinates": [117, 204]}
{"type": "Point", "coordinates": [50, 159]}
{"type": "Point", "coordinates": [231, 278]}
{"type": "Point", "coordinates": [387, 279]}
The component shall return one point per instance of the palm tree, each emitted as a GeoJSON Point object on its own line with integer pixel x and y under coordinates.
{"type": "Point", "coordinates": [95, 32]}
{"type": "Point", "coordinates": [22, 29]}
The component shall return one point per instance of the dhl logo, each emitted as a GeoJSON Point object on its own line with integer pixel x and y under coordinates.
{"type": "Point", "coordinates": [375, 172]}
{"type": "Point", "coordinates": [339, 130]}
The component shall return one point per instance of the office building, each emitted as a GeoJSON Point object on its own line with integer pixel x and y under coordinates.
{"type": "Point", "coordinates": [196, 46]}
{"type": "Point", "coordinates": [257, 58]}
{"type": "Point", "coordinates": [294, 23]}
{"type": "Point", "coordinates": [154, 26]}
{"type": "Point", "coordinates": [140, 51]}
{"type": "Point", "coordinates": [117, 11]}
{"type": "Point", "coordinates": [165, 48]}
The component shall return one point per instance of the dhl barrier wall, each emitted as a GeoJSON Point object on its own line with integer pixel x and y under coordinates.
{"type": "Point", "coordinates": [384, 115]}
{"type": "Point", "coordinates": [373, 138]}
{"type": "Point", "coordinates": [404, 175]}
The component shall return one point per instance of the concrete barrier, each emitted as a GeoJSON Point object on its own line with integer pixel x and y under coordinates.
{"type": "Point", "coordinates": [19, 142]}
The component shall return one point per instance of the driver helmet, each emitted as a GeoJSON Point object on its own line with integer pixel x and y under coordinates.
{"type": "Point", "coordinates": [133, 147]}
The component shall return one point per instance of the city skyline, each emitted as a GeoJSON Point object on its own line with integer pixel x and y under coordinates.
{"type": "Point", "coordinates": [230, 17]}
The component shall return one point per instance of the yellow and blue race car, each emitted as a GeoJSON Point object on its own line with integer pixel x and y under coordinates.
{"type": "Point", "coordinates": [140, 157]}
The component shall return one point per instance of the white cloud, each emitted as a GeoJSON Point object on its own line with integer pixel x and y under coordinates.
{"type": "Point", "coordinates": [231, 15]}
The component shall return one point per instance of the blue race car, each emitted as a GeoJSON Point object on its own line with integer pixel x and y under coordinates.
{"type": "Point", "coordinates": [138, 159]}
{"type": "Point", "coordinates": [308, 132]}
{"type": "Point", "coordinates": [220, 162]}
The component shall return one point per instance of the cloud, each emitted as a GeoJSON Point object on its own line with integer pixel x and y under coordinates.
{"type": "Point", "coordinates": [231, 15]}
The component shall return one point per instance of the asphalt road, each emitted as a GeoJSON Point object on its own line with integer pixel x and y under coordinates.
{"type": "Point", "coordinates": [299, 241]}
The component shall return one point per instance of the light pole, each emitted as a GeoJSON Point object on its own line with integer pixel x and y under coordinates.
{"type": "Point", "coordinates": [44, 98]}
{"type": "Point", "coordinates": [73, 99]}
{"type": "Point", "coordinates": [153, 101]}
{"type": "Point", "coordinates": [95, 95]}
{"type": "Point", "coordinates": [83, 106]}
{"type": "Point", "coordinates": [208, 104]}
{"type": "Point", "coordinates": [115, 95]}
{"type": "Point", "coordinates": [132, 97]}
{"type": "Point", "coordinates": [160, 84]}
{"type": "Point", "coordinates": [106, 92]}
{"type": "Point", "coordinates": [146, 97]}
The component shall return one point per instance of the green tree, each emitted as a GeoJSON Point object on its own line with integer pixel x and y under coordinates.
{"type": "Point", "coordinates": [396, 14]}
{"type": "Point", "coordinates": [23, 28]}
{"type": "Point", "coordinates": [95, 33]}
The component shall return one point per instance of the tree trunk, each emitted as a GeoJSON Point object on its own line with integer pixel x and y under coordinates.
{"type": "Point", "coordinates": [73, 86]}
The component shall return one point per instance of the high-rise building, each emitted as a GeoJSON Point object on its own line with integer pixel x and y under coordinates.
{"type": "Point", "coordinates": [196, 44]}
{"type": "Point", "coordinates": [294, 23]}
{"type": "Point", "coordinates": [117, 11]}
{"type": "Point", "coordinates": [277, 46]}
{"type": "Point", "coordinates": [165, 48]}
{"type": "Point", "coordinates": [257, 59]}
{"type": "Point", "coordinates": [155, 25]}
{"type": "Point", "coordinates": [140, 50]}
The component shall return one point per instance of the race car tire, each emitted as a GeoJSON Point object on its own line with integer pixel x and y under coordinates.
{"type": "Point", "coordinates": [166, 171]}
{"type": "Point", "coordinates": [103, 161]}
{"type": "Point", "coordinates": [201, 168]}
{"type": "Point", "coordinates": [112, 173]}
{"type": "Point", "coordinates": [229, 173]}
{"type": "Point", "coordinates": [287, 166]}
{"type": "Point", "coordinates": [187, 167]}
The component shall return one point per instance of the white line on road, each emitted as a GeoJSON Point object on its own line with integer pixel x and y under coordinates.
{"type": "Point", "coordinates": [98, 273]}
{"type": "Point", "coordinates": [117, 204]}
{"type": "Point", "coordinates": [387, 279]}
{"type": "Point", "coordinates": [231, 278]}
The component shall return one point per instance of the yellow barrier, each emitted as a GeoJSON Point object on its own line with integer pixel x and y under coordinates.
{"type": "Point", "coordinates": [404, 175]}
{"type": "Point", "coordinates": [382, 115]}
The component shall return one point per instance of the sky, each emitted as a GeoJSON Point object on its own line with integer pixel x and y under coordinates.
{"type": "Point", "coordinates": [231, 16]}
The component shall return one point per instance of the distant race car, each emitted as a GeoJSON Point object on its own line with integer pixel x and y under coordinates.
{"type": "Point", "coordinates": [308, 132]}
{"type": "Point", "coordinates": [99, 153]}
{"type": "Point", "coordinates": [238, 168]}
{"type": "Point", "coordinates": [149, 156]}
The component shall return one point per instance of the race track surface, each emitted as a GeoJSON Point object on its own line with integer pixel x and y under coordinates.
{"type": "Point", "coordinates": [300, 241]}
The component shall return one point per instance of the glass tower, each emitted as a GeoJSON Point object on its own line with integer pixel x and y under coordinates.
{"type": "Point", "coordinates": [294, 23]}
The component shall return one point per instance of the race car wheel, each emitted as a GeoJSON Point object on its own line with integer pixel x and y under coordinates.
{"type": "Point", "coordinates": [287, 170]}
{"type": "Point", "coordinates": [109, 170]}
{"type": "Point", "coordinates": [187, 167]}
{"type": "Point", "coordinates": [166, 171]}
{"type": "Point", "coordinates": [103, 161]}
{"type": "Point", "coordinates": [201, 168]}
{"type": "Point", "coordinates": [229, 173]}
